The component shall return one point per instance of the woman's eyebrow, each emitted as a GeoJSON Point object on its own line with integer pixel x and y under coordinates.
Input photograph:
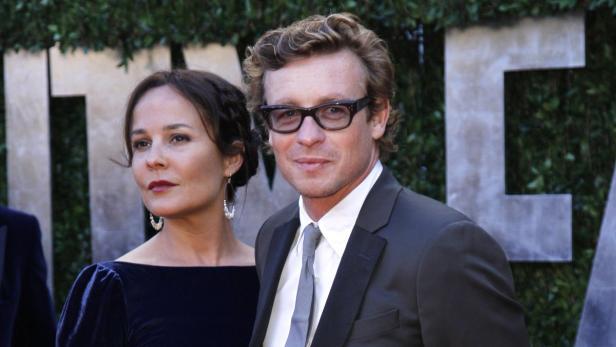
{"type": "Point", "coordinates": [166, 127]}
{"type": "Point", "coordinates": [176, 126]}
{"type": "Point", "coordinates": [136, 132]}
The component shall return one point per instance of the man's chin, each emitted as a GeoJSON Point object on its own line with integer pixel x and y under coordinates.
{"type": "Point", "coordinates": [312, 192]}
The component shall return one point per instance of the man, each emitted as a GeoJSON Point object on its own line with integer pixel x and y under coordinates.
{"type": "Point", "coordinates": [359, 260]}
{"type": "Point", "coordinates": [26, 313]}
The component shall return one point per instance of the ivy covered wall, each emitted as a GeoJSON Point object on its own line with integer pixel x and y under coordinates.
{"type": "Point", "coordinates": [560, 124]}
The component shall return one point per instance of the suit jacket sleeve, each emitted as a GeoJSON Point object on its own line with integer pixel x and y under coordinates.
{"type": "Point", "coordinates": [465, 292]}
{"type": "Point", "coordinates": [35, 307]}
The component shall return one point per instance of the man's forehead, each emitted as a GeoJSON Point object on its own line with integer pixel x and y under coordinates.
{"type": "Point", "coordinates": [323, 76]}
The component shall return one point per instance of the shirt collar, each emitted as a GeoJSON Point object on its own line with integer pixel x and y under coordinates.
{"type": "Point", "coordinates": [336, 225]}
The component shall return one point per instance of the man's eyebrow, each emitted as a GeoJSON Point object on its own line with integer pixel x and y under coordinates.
{"type": "Point", "coordinates": [323, 100]}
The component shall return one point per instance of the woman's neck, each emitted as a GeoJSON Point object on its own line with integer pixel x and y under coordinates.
{"type": "Point", "coordinates": [193, 241]}
{"type": "Point", "coordinates": [208, 242]}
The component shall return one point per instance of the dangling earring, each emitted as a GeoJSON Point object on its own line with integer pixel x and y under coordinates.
{"type": "Point", "coordinates": [157, 225]}
{"type": "Point", "coordinates": [229, 211]}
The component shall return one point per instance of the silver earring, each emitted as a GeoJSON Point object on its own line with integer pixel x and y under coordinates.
{"type": "Point", "coordinates": [229, 207]}
{"type": "Point", "coordinates": [157, 225]}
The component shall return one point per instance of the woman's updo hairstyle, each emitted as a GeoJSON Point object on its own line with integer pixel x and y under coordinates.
{"type": "Point", "coordinates": [222, 108]}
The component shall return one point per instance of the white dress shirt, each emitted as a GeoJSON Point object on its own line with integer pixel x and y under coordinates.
{"type": "Point", "coordinates": [336, 226]}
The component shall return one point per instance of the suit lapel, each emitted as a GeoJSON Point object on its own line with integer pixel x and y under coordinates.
{"type": "Point", "coordinates": [356, 266]}
{"type": "Point", "coordinates": [3, 236]}
{"type": "Point", "coordinates": [277, 255]}
{"type": "Point", "coordinates": [359, 261]}
{"type": "Point", "coordinates": [379, 204]}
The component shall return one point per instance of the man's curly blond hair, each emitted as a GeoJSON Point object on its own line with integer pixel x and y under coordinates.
{"type": "Point", "coordinates": [321, 35]}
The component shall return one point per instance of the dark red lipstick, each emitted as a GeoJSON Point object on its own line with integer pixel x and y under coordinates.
{"type": "Point", "coordinates": [161, 185]}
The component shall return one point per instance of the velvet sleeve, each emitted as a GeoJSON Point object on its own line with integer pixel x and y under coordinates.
{"type": "Point", "coordinates": [94, 313]}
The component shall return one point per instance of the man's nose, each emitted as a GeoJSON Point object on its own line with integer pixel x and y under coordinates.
{"type": "Point", "coordinates": [310, 132]}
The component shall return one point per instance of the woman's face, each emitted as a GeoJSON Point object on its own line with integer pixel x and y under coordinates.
{"type": "Point", "coordinates": [178, 168]}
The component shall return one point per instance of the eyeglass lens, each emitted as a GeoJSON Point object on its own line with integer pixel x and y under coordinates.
{"type": "Point", "coordinates": [329, 116]}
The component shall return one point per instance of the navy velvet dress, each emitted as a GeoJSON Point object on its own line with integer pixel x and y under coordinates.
{"type": "Point", "coordinates": [126, 304]}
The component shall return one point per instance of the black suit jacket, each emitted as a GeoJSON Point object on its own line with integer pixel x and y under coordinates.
{"type": "Point", "coordinates": [26, 314]}
{"type": "Point", "coordinates": [414, 273]}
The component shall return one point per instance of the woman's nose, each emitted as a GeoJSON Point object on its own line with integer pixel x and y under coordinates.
{"type": "Point", "coordinates": [156, 157]}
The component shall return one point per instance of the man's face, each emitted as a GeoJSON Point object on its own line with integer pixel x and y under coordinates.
{"type": "Point", "coordinates": [324, 165]}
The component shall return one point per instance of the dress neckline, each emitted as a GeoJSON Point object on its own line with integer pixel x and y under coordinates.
{"type": "Point", "coordinates": [239, 267]}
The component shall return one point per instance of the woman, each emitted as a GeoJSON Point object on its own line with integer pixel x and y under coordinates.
{"type": "Point", "coordinates": [189, 144]}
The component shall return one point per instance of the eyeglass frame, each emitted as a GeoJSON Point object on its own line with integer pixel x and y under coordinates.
{"type": "Point", "coordinates": [354, 106]}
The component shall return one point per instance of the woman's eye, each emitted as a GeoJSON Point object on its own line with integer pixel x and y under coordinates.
{"type": "Point", "coordinates": [140, 144]}
{"type": "Point", "coordinates": [179, 138]}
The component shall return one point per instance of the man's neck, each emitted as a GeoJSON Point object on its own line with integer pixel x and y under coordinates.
{"type": "Point", "coordinates": [316, 208]}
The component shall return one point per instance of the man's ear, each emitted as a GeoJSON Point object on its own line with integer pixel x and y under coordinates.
{"type": "Point", "coordinates": [233, 162]}
{"type": "Point", "coordinates": [378, 121]}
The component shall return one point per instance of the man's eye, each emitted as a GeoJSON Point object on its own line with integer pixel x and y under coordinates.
{"type": "Point", "coordinates": [284, 115]}
{"type": "Point", "coordinates": [289, 113]}
{"type": "Point", "coordinates": [334, 112]}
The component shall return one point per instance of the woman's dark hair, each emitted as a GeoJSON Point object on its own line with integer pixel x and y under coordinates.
{"type": "Point", "coordinates": [222, 108]}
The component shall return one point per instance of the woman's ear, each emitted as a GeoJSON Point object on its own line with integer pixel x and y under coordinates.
{"type": "Point", "coordinates": [233, 162]}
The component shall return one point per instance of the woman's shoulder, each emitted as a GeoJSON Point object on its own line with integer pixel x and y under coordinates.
{"type": "Point", "coordinates": [97, 280]}
{"type": "Point", "coordinates": [97, 284]}
{"type": "Point", "coordinates": [95, 309]}
{"type": "Point", "coordinates": [101, 273]}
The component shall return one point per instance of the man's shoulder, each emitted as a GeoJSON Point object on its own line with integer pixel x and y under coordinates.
{"type": "Point", "coordinates": [9, 215]}
{"type": "Point", "coordinates": [281, 217]}
{"type": "Point", "coordinates": [391, 204]}
{"type": "Point", "coordinates": [19, 224]}
{"type": "Point", "coordinates": [288, 214]}
{"type": "Point", "coordinates": [422, 217]}
{"type": "Point", "coordinates": [424, 223]}
{"type": "Point", "coordinates": [418, 206]}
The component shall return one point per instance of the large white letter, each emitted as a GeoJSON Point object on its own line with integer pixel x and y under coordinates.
{"type": "Point", "coordinates": [598, 323]}
{"type": "Point", "coordinates": [529, 227]}
{"type": "Point", "coordinates": [27, 138]}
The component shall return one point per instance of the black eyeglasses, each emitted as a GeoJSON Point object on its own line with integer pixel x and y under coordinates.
{"type": "Point", "coordinates": [335, 115]}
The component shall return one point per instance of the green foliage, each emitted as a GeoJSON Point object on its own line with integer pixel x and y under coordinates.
{"type": "Point", "coordinates": [133, 25]}
{"type": "Point", "coordinates": [420, 160]}
{"type": "Point", "coordinates": [560, 125]}
{"type": "Point", "coordinates": [70, 204]}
